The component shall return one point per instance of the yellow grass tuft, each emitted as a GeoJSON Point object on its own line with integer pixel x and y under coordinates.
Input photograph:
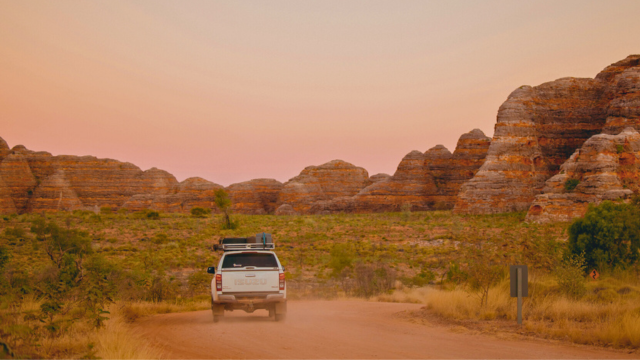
{"type": "Point", "coordinates": [118, 341]}
{"type": "Point", "coordinates": [591, 320]}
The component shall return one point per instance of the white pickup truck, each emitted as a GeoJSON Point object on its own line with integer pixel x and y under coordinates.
{"type": "Point", "coordinates": [248, 277]}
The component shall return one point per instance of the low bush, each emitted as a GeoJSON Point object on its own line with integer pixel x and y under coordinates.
{"type": "Point", "coordinates": [571, 184]}
{"type": "Point", "coordinates": [199, 212]}
{"type": "Point", "coordinates": [570, 275]}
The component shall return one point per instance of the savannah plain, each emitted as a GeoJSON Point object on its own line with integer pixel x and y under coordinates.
{"type": "Point", "coordinates": [134, 285]}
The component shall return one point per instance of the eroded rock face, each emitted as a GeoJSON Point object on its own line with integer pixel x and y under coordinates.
{"type": "Point", "coordinates": [102, 182]}
{"type": "Point", "coordinates": [194, 192]}
{"type": "Point", "coordinates": [258, 196]}
{"type": "Point", "coordinates": [4, 149]}
{"type": "Point", "coordinates": [411, 184]}
{"type": "Point", "coordinates": [379, 177]}
{"type": "Point", "coordinates": [156, 181]}
{"type": "Point", "coordinates": [538, 128]}
{"type": "Point", "coordinates": [285, 209]}
{"type": "Point", "coordinates": [423, 181]}
{"type": "Point", "coordinates": [624, 109]}
{"type": "Point", "coordinates": [7, 206]}
{"type": "Point", "coordinates": [606, 167]}
{"type": "Point", "coordinates": [469, 155]}
{"type": "Point", "coordinates": [18, 178]}
{"type": "Point", "coordinates": [54, 194]}
{"type": "Point", "coordinates": [334, 179]}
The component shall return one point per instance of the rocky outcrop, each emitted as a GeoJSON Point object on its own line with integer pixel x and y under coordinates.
{"type": "Point", "coordinates": [4, 149]}
{"type": "Point", "coordinates": [379, 177]}
{"type": "Point", "coordinates": [450, 171]}
{"type": "Point", "coordinates": [54, 194]}
{"type": "Point", "coordinates": [18, 178]}
{"type": "Point", "coordinates": [411, 184]}
{"type": "Point", "coordinates": [285, 209]}
{"type": "Point", "coordinates": [538, 128]}
{"type": "Point", "coordinates": [334, 179]}
{"type": "Point", "coordinates": [624, 80]}
{"type": "Point", "coordinates": [158, 182]}
{"type": "Point", "coordinates": [258, 196]}
{"type": "Point", "coordinates": [423, 181]}
{"type": "Point", "coordinates": [182, 197]}
{"type": "Point", "coordinates": [7, 206]}
{"type": "Point", "coordinates": [606, 167]}
{"type": "Point", "coordinates": [194, 192]}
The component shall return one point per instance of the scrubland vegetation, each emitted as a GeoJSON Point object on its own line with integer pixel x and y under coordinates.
{"type": "Point", "coordinates": [83, 276]}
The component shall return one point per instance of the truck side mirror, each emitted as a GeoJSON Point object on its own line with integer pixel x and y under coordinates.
{"type": "Point", "coordinates": [211, 270]}
{"type": "Point", "coordinates": [283, 270]}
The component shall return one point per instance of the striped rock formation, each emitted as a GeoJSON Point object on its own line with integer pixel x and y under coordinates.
{"type": "Point", "coordinates": [37, 181]}
{"type": "Point", "coordinates": [54, 194]}
{"type": "Point", "coordinates": [423, 181]}
{"type": "Point", "coordinates": [538, 128]}
{"type": "Point", "coordinates": [606, 167]}
{"type": "Point", "coordinates": [257, 196]}
{"type": "Point", "coordinates": [334, 179]}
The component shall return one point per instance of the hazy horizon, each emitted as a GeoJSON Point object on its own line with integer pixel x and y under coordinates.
{"type": "Point", "coordinates": [232, 91]}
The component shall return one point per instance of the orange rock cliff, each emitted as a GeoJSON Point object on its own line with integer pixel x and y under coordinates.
{"type": "Point", "coordinates": [549, 137]}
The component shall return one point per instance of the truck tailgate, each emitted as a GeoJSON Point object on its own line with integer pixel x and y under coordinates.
{"type": "Point", "coordinates": [239, 281]}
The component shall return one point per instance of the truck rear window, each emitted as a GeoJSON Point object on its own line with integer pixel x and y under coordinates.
{"type": "Point", "coordinates": [243, 260]}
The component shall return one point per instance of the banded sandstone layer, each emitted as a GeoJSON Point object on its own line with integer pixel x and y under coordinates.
{"type": "Point", "coordinates": [38, 181]}
{"type": "Point", "coordinates": [606, 167]}
{"type": "Point", "coordinates": [538, 128]}
{"type": "Point", "coordinates": [423, 181]}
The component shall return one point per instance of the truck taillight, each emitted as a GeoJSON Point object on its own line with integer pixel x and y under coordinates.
{"type": "Point", "coordinates": [219, 282]}
{"type": "Point", "coordinates": [281, 281]}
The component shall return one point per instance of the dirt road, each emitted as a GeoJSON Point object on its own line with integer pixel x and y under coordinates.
{"type": "Point", "coordinates": [338, 330]}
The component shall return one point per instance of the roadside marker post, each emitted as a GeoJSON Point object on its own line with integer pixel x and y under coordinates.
{"type": "Point", "coordinates": [519, 281]}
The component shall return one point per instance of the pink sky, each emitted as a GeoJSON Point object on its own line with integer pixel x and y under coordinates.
{"type": "Point", "coordinates": [236, 90]}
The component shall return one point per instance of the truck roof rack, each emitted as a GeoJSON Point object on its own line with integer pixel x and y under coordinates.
{"type": "Point", "coordinates": [261, 241]}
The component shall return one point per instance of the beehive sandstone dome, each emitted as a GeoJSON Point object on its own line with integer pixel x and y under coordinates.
{"type": "Point", "coordinates": [539, 127]}
{"type": "Point", "coordinates": [544, 135]}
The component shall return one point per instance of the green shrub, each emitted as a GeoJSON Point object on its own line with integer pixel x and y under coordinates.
{"type": "Point", "coordinates": [608, 235]}
{"type": "Point", "coordinates": [570, 274]}
{"type": "Point", "coordinates": [153, 215]}
{"type": "Point", "coordinates": [342, 257]}
{"type": "Point", "coordinates": [4, 258]}
{"type": "Point", "coordinates": [619, 148]}
{"type": "Point", "coordinates": [200, 212]}
{"type": "Point", "coordinates": [571, 184]}
{"type": "Point", "coordinates": [421, 279]}
{"type": "Point", "coordinates": [161, 238]}
{"type": "Point", "coordinates": [105, 210]}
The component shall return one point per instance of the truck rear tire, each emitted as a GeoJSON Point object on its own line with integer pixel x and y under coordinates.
{"type": "Point", "coordinates": [217, 311]}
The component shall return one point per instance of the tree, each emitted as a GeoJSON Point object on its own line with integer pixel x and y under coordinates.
{"type": "Point", "coordinates": [223, 203]}
{"type": "Point", "coordinates": [608, 235]}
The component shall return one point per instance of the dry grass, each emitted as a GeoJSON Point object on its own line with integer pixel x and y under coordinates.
{"type": "Point", "coordinates": [130, 311]}
{"type": "Point", "coordinates": [117, 341]}
{"type": "Point", "coordinates": [604, 320]}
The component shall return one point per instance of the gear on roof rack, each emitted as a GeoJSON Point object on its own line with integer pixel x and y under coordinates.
{"type": "Point", "coordinates": [261, 241]}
